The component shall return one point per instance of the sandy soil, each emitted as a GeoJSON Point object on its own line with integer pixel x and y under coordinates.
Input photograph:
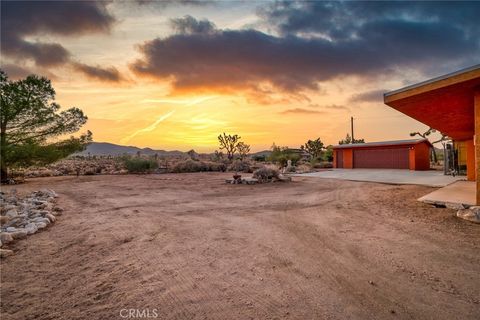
{"type": "Point", "coordinates": [188, 246]}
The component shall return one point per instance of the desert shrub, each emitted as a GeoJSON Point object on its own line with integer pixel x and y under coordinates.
{"type": "Point", "coordinates": [281, 155]}
{"type": "Point", "coordinates": [304, 167]}
{"type": "Point", "coordinates": [266, 174]}
{"type": "Point", "coordinates": [323, 165]}
{"type": "Point", "coordinates": [190, 165]}
{"type": "Point", "coordinates": [217, 166]}
{"type": "Point", "coordinates": [239, 166]}
{"type": "Point", "coordinates": [139, 165]}
{"type": "Point", "coordinates": [259, 158]}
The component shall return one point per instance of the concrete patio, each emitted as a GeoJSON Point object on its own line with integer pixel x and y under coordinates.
{"type": "Point", "coordinates": [459, 192]}
{"type": "Point", "coordinates": [430, 178]}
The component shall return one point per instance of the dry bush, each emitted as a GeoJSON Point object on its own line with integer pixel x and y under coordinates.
{"type": "Point", "coordinates": [197, 166]}
{"type": "Point", "coordinates": [323, 165]}
{"type": "Point", "coordinates": [266, 174]}
{"type": "Point", "coordinates": [304, 168]}
{"type": "Point", "coordinates": [240, 166]}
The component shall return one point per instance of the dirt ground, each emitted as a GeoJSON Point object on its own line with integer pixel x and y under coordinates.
{"type": "Point", "coordinates": [188, 246]}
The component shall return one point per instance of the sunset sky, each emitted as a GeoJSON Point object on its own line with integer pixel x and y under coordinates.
{"type": "Point", "coordinates": [175, 74]}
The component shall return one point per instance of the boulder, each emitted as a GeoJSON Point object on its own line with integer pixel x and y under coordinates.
{"type": "Point", "coordinates": [5, 253]}
{"type": "Point", "coordinates": [4, 219]}
{"type": "Point", "coordinates": [11, 229]}
{"type": "Point", "coordinates": [41, 225]}
{"type": "Point", "coordinates": [50, 217]}
{"type": "Point", "coordinates": [19, 234]}
{"type": "Point", "coordinates": [12, 213]}
{"type": "Point", "coordinates": [31, 228]}
{"type": "Point", "coordinates": [6, 237]}
{"type": "Point", "coordinates": [471, 214]}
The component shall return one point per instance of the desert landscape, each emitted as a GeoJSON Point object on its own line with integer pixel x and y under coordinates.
{"type": "Point", "coordinates": [189, 246]}
{"type": "Point", "coordinates": [212, 159]}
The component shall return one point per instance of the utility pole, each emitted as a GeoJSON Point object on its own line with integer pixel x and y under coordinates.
{"type": "Point", "coordinates": [351, 122]}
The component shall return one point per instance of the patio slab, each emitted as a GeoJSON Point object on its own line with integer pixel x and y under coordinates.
{"type": "Point", "coordinates": [430, 178]}
{"type": "Point", "coordinates": [460, 192]}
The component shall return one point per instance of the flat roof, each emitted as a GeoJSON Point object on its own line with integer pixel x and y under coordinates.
{"type": "Point", "coordinates": [381, 143]}
{"type": "Point", "coordinates": [434, 83]}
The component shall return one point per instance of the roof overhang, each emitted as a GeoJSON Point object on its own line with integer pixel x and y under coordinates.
{"type": "Point", "coordinates": [444, 103]}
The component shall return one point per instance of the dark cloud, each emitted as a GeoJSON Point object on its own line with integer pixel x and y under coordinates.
{"type": "Point", "coordinates": [20, 19]}
{"type": "Point", "coordinates": [301, 111]}
{"type": "Point", "coordinates": [340, 20]}
{"type": "Point", "coordinates": [190, 25]}
{"type": "Point", "coordinates": [109, 74]}
{"type": "Point", "coordinates": [249, 59]}
{"type": "Point", "coordinates": [14, 72]}
{"type": "Point", "coordinates": [369, 96]}
{"type": "Point", "coordinates": [166, 3]}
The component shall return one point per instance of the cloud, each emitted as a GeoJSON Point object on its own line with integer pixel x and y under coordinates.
{"type": "Point", "coordinates": [109, 74]}
{"type": "Point", "coordinates": [301, 111]}
{"type": "Point", "coordinates": [189, 25]}
{"type": "Point", "coordinates": [369, 96]}
{"type": "Point", "coordinates": [299, 59]}
{"type": "Point", "coordinates": [151, 127]}
{"type": "Point", "coordinates": [21, 19]}
{"type": "Point", "coordinates": [14, 71]}
{"type": "Point", "coordinates": [341, 20]}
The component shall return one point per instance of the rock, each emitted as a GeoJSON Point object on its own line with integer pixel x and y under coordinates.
{"type": "Point", "coordinates": [4, 219]}
{"type": "Point", "coordinates": [50, 217]}
{"type": "Point", "coordinates": [5, 237]}
{"type": "Point", "coordinates": [472, 214]}
{"type": "Point", "coordinates": [19, 234]}
{"type": "Point", "coordinates": [41, 219]}
{"type": "Point", "coordinates": [1, 244]}
{"type": "Point", "coordinates": [9, 207]}
{"type": "Point", "coordinates": [15, 222]}
{"type": "Point", "coordinates": [455, 206]}
{"type": "Point", "coordinates": [41, 225]}
{"type": "Point", "coordinates": [284, 178]}
{"type": "Point", "coordinates": [12, 213]}
{"type": "Point", "coordinates": [250, 181]}
{"type": "Point", "coordinates": [5, 253]}
{"type": "Point", "coordinates": [31, 228]}
{"type": "Point", "coordinates": [11, 229]}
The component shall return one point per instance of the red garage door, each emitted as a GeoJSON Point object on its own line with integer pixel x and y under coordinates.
{"type": "Point", "coordinates": [394, 158]}
{"type": "Point", "coordinates": [339, 157]}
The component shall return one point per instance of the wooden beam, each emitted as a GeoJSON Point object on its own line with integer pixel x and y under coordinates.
{"type": "Point", "coordinates": [476, 106]}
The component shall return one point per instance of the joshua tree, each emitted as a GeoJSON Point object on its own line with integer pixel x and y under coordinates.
{"type": "Point", "coordinates": [229, 143]}
{"type": "Point", "coordinates": [243, 149]}
{"type": "Point", "coordinates": [314, 148]}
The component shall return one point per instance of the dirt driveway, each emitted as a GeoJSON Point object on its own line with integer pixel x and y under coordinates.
{"type": "Point", "coordinates": [188, 246]}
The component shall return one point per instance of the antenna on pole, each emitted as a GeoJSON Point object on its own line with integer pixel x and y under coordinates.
{"type": "Point", "coordinates": [351, 124]}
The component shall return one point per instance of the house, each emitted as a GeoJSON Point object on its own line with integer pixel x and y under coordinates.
{"type": "Point", "coordinates": [451, 105]}
{"type": "Point", "coordinates": [401, 154]}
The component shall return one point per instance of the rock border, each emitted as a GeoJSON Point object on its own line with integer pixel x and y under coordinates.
{"type": "Point", "coordinates": [24, 216]}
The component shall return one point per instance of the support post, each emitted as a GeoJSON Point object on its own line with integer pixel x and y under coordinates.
{"type": "Point", "coordinates": [351, 124]}
{"type": "Point", "coordinates": [476, 106]}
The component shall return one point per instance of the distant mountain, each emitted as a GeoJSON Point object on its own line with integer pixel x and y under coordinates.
{"type": "Point", "coordinates": [105, 148]}
{"type": "Point", "coordinates": [265, 153]}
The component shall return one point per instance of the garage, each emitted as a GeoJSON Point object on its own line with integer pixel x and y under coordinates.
{"type": "Point", "coordinates": [393, 158]}
{"type": "Point", "coordinates": [413, 154]}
